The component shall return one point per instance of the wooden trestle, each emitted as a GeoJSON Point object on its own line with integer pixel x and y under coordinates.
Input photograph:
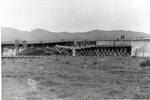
{"type": "Point", "coordinates": [94, 50]}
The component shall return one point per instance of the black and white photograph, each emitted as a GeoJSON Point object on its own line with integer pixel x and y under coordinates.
{"type": "Point", "coordinates": [75, 49]}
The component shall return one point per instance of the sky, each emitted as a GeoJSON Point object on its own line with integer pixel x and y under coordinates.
{"type": "Point", "coordinates": [76, 15]}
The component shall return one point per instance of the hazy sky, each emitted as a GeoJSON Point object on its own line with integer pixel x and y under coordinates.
{"type": "Point", "coordinates": [76, 15]}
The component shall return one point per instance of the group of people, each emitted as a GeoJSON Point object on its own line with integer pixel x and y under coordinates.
{"type": "Point", "coordinates": [122, 37]}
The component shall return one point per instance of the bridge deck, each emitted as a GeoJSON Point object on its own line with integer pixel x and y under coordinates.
{"type": "Point", "coordinates": [92, 46]}
{"type": "Point", "coordinates": [62, 40]}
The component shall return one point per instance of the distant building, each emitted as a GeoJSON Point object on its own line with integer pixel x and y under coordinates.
{"type": "Point", "coordinates": [140, 47]}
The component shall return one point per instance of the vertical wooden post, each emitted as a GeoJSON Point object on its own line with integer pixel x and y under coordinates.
{"type": "Point", "coordinates": [73, 52]}
{"type": "Point", "coordinates": [17, 47]}
{"type": "Point", "coordinates": [17, 50]}
{"type": "Point", "coordinates": [12, 51]}
{"type": "Point", "coordinates": [143, 51]}
{"type": "Point", "coordinates": [25, 43]}
{"type": "Point", "coordinates": [2, 51]}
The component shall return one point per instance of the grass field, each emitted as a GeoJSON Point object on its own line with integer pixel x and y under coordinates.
{"type": "Point", "coordinates": [75, 78]}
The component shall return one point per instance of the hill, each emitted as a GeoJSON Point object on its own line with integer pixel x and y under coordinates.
{"type": "Point", "coordinates": [10, 34]}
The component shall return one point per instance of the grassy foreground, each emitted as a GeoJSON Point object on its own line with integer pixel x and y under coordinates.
{"type": "Point", "coordinates": [75, 78]}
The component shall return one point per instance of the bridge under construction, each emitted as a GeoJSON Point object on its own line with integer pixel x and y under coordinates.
{"type": "Point", "coordinates": [78, 47]}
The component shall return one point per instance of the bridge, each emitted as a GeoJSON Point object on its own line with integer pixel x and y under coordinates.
{"type": "Point", "coordinates": [52, 43]}
{"type": "Point", "coordinates": [73, 47]}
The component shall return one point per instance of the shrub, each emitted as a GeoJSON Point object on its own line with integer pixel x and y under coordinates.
{"type": "Point", "coordinates": [112, 92]}
{"type": "Point", "coordinates": [145, 63]}
{"type": "Point", "coordinates": [13, 61]}
{"type": "Point", "coordinates": [3, 63]}
{"type": "Point", "coordinates": [138, 96]}
{"type": "Point", "coordinates": [36, 52]}
{"type": "Point", "coordinates": [57, 59]}
{"type": "Point", "coordinates": [94, 63]}
{"type": "Point", "coordinates": [67, 62]}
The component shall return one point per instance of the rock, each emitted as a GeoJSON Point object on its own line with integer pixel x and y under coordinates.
{"type": "Point", "coordinates": [32, 84]}
{"type": "Point", "coordinates": [84, 66]}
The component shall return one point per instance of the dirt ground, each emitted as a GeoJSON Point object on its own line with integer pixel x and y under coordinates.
{"type": "Point", "coordinates": [75, 78]}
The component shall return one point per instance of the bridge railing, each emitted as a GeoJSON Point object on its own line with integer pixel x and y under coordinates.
{"type": "Point", "coordinates": [76, 39]}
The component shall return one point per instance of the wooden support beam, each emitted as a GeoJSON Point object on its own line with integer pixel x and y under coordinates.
{"type": "Point", "coordinates": [73, 52]}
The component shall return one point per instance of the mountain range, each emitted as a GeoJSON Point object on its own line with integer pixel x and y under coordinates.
{"type": "Point", "coordinates": [10, 34]}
